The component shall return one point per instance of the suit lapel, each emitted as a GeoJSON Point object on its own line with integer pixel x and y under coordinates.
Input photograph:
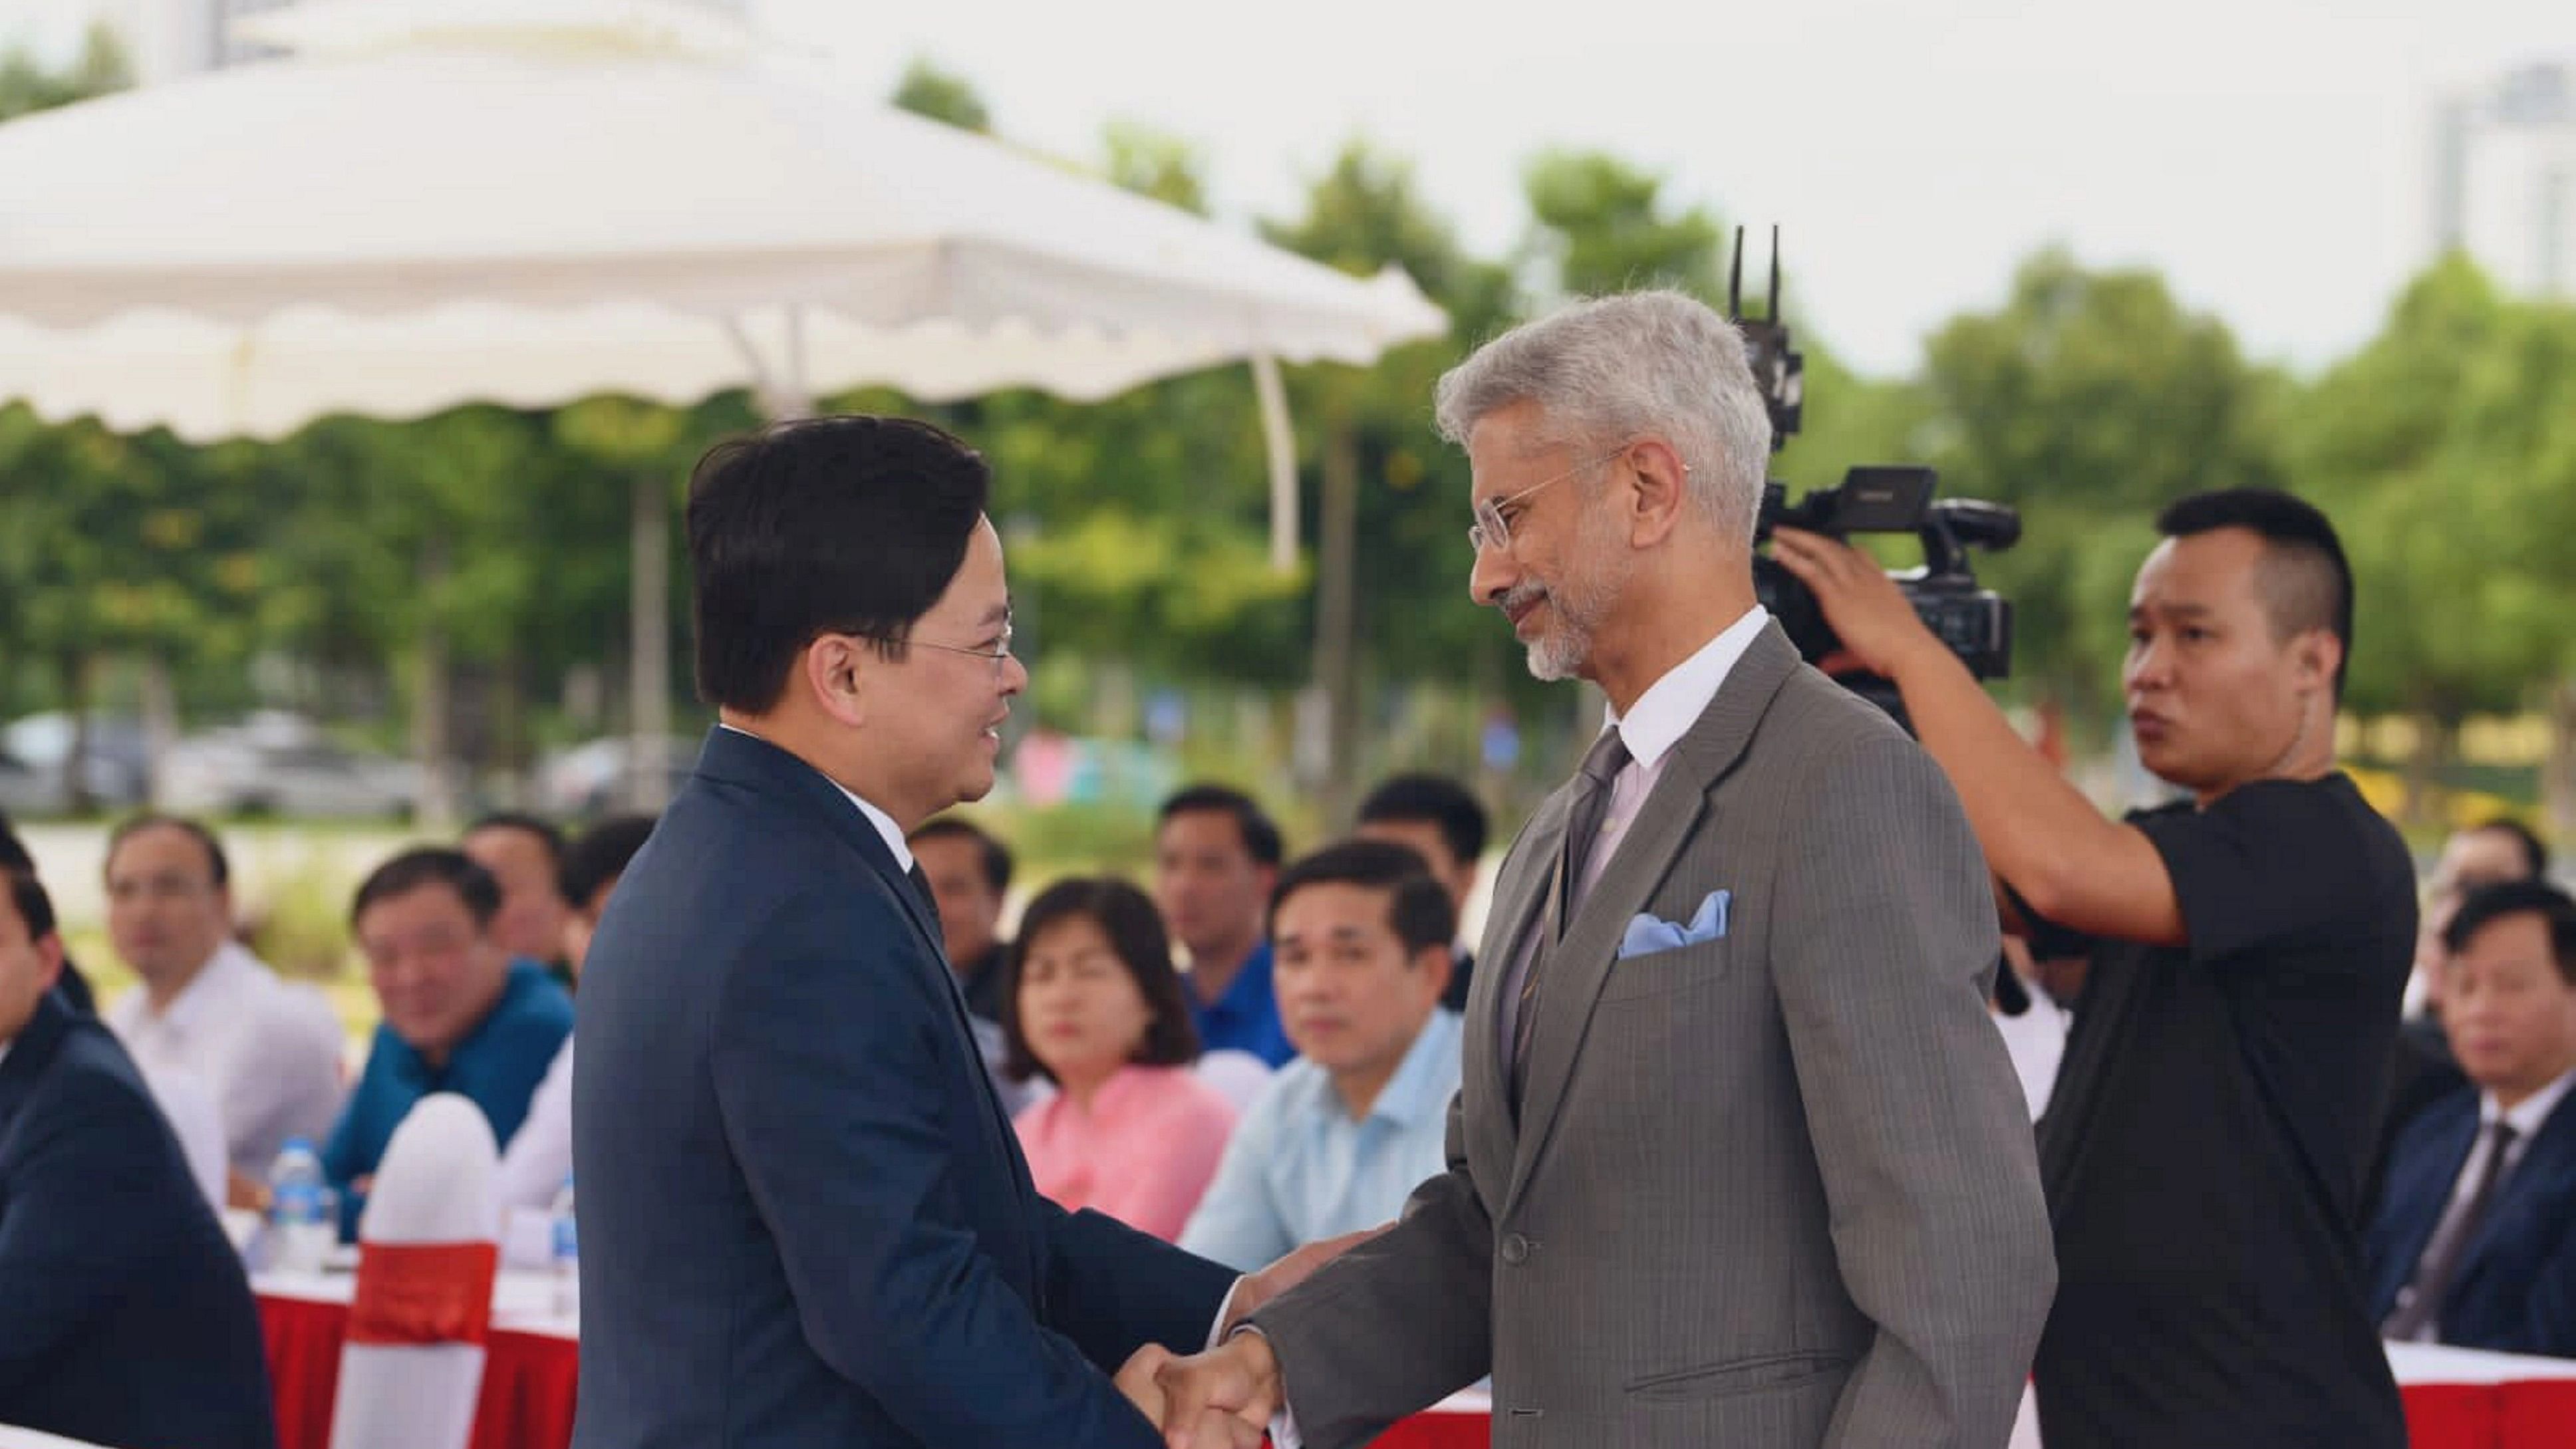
{"type": "Point", "coordinates": [2552, 1151]}
{"type": "Point", "coordinates": [1580, 964]}
{"type": "Point", "coordinates": [29, 1053]}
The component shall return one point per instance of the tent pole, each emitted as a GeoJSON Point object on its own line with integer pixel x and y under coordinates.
{"type": "Point", "coordinates": [1282, 449]}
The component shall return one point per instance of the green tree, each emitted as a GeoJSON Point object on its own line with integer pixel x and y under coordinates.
{"type": "Point", "coordinates": [926, 90]}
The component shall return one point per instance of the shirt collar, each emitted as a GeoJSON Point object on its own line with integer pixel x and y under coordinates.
{"type": "Point", "coordinates": [206, 990]}
{"type": "Point", "coordinates": [1419, 1086]}
{"type": "Point", "coordinates": [892, 833]}
{"type": "Point", "coordinates": [1672, 704]}
{"type": "Point", "coordinates": [2527, 1118]}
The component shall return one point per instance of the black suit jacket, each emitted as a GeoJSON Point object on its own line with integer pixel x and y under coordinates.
{"type": "Point", "coordinates": [805, 1219]}
{"type": "Point", "coordinates": [125, 1318]}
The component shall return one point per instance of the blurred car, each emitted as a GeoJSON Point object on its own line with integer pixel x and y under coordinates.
{"type": "Point", "coordinates": [281, 764]}
{"type": "Point", "coordinates": [116, 769]}
{"type": "Point", "coordinates": [588, 780]}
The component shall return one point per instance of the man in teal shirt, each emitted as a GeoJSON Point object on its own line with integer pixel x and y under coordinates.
{"type": "Point", "coordinates": [460, 1014]}
{"type": "Point", "coordinates": [1340, 1137]}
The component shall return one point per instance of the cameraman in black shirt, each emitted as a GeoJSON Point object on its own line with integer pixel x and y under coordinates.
{"type": "Point", "coordinates": [2213, 1118]}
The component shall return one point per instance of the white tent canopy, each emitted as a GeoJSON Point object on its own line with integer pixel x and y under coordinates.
{"type": "Point", "coordinates": [531, 201]}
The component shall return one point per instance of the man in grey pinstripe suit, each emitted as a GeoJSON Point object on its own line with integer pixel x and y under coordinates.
{"type": "Point", "coordinates": [1738, 1159]}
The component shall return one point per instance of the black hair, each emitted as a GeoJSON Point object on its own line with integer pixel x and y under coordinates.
{"type": "Point", "coordinates": [13, 851]}
{"type": "Point", "coordinates": [2489, 904]}
{"type": "Point", "coordinates": [1417, 906]}
{"type": "Point", "coordinates": [2306, 581]}
{"type": "Point", "coordinates": [994, 855]}
{"type": "Point", "coordinates": [1441, 801]}
{"type": "Point", "coordinates": [600, 855]}
{"type": "Point", "coordinates": [1260, 833]}
{"type": "Point", "coordinates": [548, 834]}
{"type": "Point", "coordinates": [428, 865]}
{"type": "Point", "coordinates": [219, 868]}
{"type": "Point", "coordinates": [849, 525]}
{"type": "Point", "coordinates": [1127, 917]}
{"type": "Point", "coordinates": [2535, 851]}
{"type": "Point", "coordinates": [34, 907]}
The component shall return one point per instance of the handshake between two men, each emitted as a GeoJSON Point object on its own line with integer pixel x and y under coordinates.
{"type": "Point", "coordinates": [1225, 1397]}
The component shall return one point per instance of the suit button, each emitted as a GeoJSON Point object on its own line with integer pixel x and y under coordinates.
{"type": "Point", "coordinates": [1516, 1249]}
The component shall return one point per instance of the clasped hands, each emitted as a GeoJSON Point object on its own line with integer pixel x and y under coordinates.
{"type": "Point", "coordinates": [1225, 1397]}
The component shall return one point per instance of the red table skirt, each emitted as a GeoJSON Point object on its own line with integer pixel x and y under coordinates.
{"type": "Point", "coordinates": [529, 1381]}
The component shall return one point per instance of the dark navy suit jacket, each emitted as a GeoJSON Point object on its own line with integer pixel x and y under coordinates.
{"type": "Point", "coordinates": [805, 1218]}
{"type": "Point", "coordinates": [2516, 1290]}
{"type": "Point", "coordinates": [125, 1318]}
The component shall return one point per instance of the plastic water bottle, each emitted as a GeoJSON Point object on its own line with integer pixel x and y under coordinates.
{"type": "Point", "coordinates": [567, 1255]}
{"type": "Point", "coordinates": [303, 1216]}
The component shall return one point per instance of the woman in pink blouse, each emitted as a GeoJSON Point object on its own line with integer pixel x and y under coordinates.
{"type": "Point", "coordinates": [1096, 1008]}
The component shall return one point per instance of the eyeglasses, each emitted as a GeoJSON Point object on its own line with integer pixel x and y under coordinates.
{"type": "Point", "coordinates": [999, 653]}
{"type": "Point", "coordinates": [1493, 528]}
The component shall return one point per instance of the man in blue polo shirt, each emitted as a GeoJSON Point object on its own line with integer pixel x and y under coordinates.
{"type": "Point", "coordinates": [460, 1014]}
{"type": "Point", "coordinates": [1216, 856]}
{"type": "Point", "coordinates": [1340, 1138]}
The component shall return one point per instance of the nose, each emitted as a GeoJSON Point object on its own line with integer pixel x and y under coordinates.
{"type": "Point", "coordinates": [1493, 574]}
{"type": "Point", "coordinates": [2150, 665]}
{"type": "Point", "coordinates": [1015, 676]}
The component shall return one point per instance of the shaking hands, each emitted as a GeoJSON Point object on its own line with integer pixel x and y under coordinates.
{"type": "Point", "coordinates": [1225, 1398]}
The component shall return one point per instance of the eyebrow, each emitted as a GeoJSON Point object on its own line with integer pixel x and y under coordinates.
{"type": "Point", "coordinates": [2177, 611]}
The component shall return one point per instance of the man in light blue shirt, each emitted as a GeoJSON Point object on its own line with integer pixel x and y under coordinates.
{"type": "Point", "coordinates": [1340, 1137]}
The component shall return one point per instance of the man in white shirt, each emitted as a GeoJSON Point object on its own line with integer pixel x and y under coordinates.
{"type": "Point", "coordinates": [2475, 1242]}
{"type": "Point", "coordinates": [268, 1051]}
{"type": "Point", "coordinates": [1341, 1136]}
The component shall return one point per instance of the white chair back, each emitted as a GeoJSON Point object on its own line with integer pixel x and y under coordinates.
{"type": "Point", "coordinates": [1238, 1076]}
{"type": "Point", "coordinates": [199, 1122]}
{"type": "Point", "coordinates": [412, 1370]}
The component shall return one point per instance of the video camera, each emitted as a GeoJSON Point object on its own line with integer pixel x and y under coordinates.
{"type": "Point", "coordinates": [1975, 623]}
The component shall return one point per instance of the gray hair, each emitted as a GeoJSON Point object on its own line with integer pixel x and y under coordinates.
{"type": "Point", "coordinates": [1657, 363]}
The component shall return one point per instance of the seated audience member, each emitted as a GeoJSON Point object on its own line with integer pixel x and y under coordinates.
{"type": "Point", "coordinates": [72, 986]}
{"type": "Point", "coordinates": [1341, 1136]}
{"type": "Point", "coordinates": [1441, 820]}
{"type": "Point", "coordinates": [970, 875]}
{"type": "Point", "coordinates": [460, 1014]}
{"type": "Point", "coordinates": [2475, 1241]}
{"type": "Point", "coordinates": [1216, 856]}
{"type": "Point", "coordinates": [525, 856]}
{"type": "Point", "coordinates": [124, 1315]}
{"type": "Point", "coordinates": [1096, 1008]}
{"type": "Point", "coordinates": [2424, 1070]}
{"type": "Point", "coordinates": [537, 1160]}
{"type": "Point", "coordinates": [268, 1052]}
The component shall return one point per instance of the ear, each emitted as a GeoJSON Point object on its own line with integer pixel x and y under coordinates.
{"type": "Point", "coordinates": [836, 670]}
{"type": "Point", "coordinates": [1655, 488]}
{"type": "Point", "coordinates": [2315, 655]}
{"type": "Point", "coordinates": [49, 960]}
{"type": "Point", "coordinates": [1436, 962]}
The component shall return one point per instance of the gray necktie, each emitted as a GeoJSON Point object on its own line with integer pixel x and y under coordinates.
{"type": "Point", "coordinates": [1601, 764]}
{"type": "Point", "coordinates": [2422, 1304]}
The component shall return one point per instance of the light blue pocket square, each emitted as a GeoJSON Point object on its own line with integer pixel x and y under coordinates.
{"type": "Point", "coordinates": [1650, 933]}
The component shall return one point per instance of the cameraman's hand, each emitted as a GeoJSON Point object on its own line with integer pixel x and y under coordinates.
{"type": "Point", "coordinates": [1879, 629]}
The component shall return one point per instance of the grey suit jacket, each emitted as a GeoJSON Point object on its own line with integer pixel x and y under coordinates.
{"type": "Point", "coordinates": [1776, 1189]}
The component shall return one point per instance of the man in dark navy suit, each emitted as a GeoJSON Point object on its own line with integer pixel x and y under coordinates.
{"type": "Point", "coordinates": [805, 1218]}
{"type": "Point", "coordinates": [2475, 1243]}
{"type": "Point", "coordinates": [124, 1315]}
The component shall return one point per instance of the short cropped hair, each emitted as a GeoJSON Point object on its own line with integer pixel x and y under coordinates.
{"type": "Point", "coordinates": [547, 833]}
{"type": "Point", "coordinates": [992, 854]}
{"type": "Point", "coordinates": [1417, 907]}
{"type": "Point", "coordinates": [850, 525]}
{"type": "Point", "coordinates": [2535, 851]}
{"type": "Point", "coordinates": [2489, 904]}
{"type": "Point", "coordinates": [1437, 799]}
{"type": "Point", "coordinates": [600, 855]}
{"type": "Point", "coordinates": [429, 865]}
{"type": "Point", "coordinates": [1127, 917]}
{"type": "Point", "coordinates": [2305, 580]}
{"type": "Point", "coordinates": [27, 895]}
{"type": "Point", "coordinates": [1260, 833]}
{"type": "Point", "coordinates": [219, 869]}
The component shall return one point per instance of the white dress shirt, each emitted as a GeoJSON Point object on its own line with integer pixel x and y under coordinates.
{"type": "Point", "coordinates": [538, 1161]}
{"type": "Point", "coordinates": [267, 1050]}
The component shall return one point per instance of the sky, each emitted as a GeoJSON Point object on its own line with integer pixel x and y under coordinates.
{"type": "Point", "coordinates": [2270, 157]}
